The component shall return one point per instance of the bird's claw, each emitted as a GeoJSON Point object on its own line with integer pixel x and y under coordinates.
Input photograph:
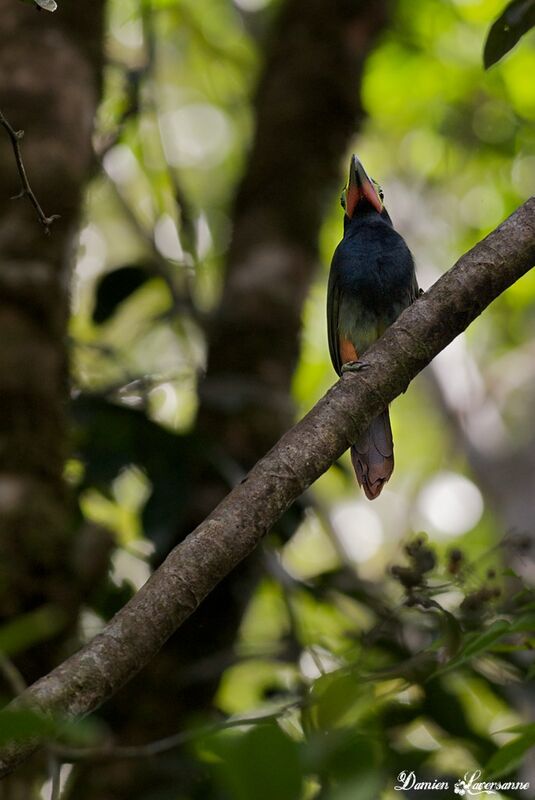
{"type": "Point", "coordinates": [354, 366]}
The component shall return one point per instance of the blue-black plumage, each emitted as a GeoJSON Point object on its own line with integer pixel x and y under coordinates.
{"type": "Point", "coordinates": [372, 279]}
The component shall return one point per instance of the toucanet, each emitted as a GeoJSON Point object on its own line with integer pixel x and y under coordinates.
{"type": "Point", "coordinates": [372, 279]}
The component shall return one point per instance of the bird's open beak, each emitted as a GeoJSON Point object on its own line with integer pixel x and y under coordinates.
{"type": "Point", "coordinates": [359, 186]}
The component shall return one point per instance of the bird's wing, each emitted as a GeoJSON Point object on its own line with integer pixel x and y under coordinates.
{"type": "Point", "coordinates": [410, 291]}
{"type": "Point", "coordinates": [333, 310]}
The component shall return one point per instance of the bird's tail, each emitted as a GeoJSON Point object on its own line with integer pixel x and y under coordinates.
{"type": "Point", "coordinates": [373, 456]}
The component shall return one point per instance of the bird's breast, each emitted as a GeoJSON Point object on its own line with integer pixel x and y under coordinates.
{"type": "Point", "coordinates": [376, 269]}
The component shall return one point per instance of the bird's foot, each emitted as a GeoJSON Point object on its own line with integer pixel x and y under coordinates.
{"type": "Point", "coordinates": [354, 366]}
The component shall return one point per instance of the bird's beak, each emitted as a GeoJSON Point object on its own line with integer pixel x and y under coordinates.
{"type": "Point", "coordinates": [360, 186]}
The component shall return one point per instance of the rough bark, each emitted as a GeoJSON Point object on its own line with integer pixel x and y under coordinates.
{"type": "Point", "coordinates": [49, 87]}
{"type": "Point", "coordinates": [238, 524]}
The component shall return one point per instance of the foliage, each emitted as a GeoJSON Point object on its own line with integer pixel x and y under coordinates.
{"type": "Point", "coordinates": [517, 19]}
{"type": "Point", "coordinates": [355, 683]}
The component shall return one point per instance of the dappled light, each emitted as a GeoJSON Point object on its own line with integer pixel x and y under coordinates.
{"type": "Point", "coordinates": [449, 505]}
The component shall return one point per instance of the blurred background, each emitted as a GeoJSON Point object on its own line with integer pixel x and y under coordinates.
{"type": "Point", "coordinates": [206, 216]}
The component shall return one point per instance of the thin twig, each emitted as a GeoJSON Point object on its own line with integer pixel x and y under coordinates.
{"type": "Point", "coordinates": [168, 743]}
{"type": "Point", "coordinates": [26, 190]}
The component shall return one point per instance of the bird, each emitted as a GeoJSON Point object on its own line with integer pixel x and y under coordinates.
{"type": "Point", "coordinates": [371, 281]}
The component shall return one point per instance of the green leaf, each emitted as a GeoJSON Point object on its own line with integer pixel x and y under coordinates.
{"type": "Point", "coordinates": [366, 787]}
{"type": "Point", "coordinates": [29, 629]}
{"type": "Point", "coordinates": [262, 763]}
{"type": "Point", "coordinates": [339, 699]}
{"type": "Point", "coordinates": [523, 623]}
{"type": "Point", "coordinates": [511, 25]}
{"type": "Point", "coordinates": [511, 755]}
{"type": "Point", "coordinates": [477, 644]}
{"type": "Point", "coordinates": [23, 723]}
{"type": "Point", "coordinates": [16, 724]}
{"type": "Point", "coordinates": [343, 754]}
{"type": "Point", "coordinates": [482, 641]}
{"type": "Point", "coordinates": [528, 728]}
{"type": "Point", "coordinates": [509, 573]}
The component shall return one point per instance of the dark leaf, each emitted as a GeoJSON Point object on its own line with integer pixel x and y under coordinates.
{"type": "Point", "coordinates": [109, 437]}
{"type": "Point", "coordinates": [444, 707]}
{"type": "Point", "coordinates": [344, 753]}
{"type": "Point", "coordinates": [511, 25]}
{"type": "Point", "coordinates": [115, 287]}
{"type": "Point", "coordinates": [365, 787]}
{"type": "Point", "coordinates": [262, 764]}
{"type": "Point", "coordinates": [109, 598]}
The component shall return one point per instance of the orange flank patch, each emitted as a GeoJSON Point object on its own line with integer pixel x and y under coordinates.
{"type": "Point", "coordinates": [347, 351]}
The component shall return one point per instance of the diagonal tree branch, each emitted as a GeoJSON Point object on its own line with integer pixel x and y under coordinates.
{"type": "Point", "coordinates": [232, 531]}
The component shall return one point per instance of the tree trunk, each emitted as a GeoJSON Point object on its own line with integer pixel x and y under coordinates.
{"type": "Point", "coordinates": [49, 87]}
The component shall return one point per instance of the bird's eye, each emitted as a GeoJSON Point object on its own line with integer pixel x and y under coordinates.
{"type": "Point", "coordinates": [343, 199]}
{"type": "Point", "coordinates": [381, 193]}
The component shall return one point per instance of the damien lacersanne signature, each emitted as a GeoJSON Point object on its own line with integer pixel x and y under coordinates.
{"type": "Point", "coordinates": [469, 786]}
